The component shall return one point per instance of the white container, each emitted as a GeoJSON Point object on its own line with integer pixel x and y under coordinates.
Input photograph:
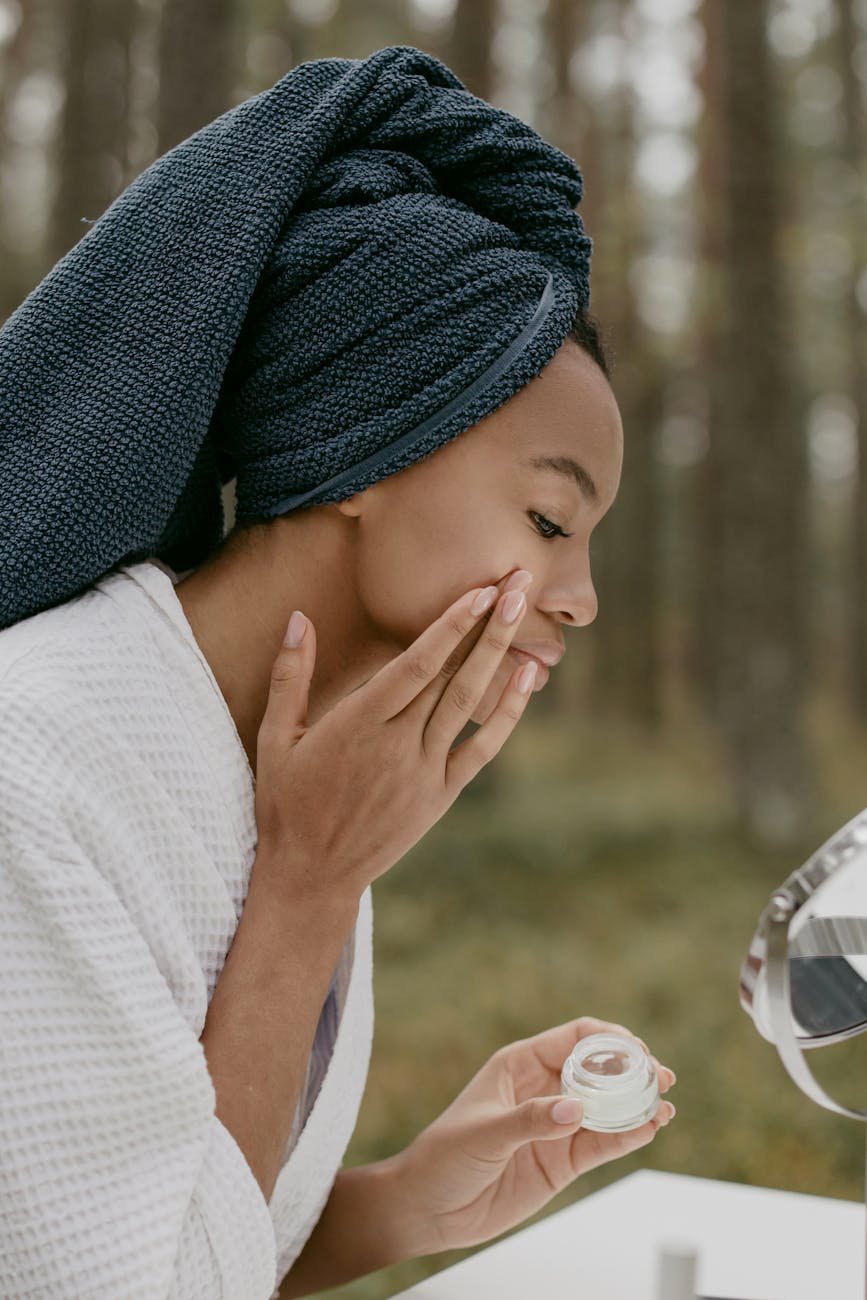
{"type": "Point", "coordinates": [615, 1081]}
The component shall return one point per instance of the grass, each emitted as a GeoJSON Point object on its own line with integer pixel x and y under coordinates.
{"type": "Point", "coordinates": [602, 876]}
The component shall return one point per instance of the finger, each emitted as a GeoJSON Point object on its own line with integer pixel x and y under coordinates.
{"type": "Point", "coordinates": [518, 580]}
{"type": "Point", "coordinates": [550, 1047]}
{"type": "Point", "coordinates": [285, 716]}
{"type": "Point", "coordinates": [466, 760]}
{"type": "Point", "coordinates": [664, 1114]}
{"type": "Point", "coordinates": [502, 1135]}
{"type": "Point", "coordinates": [613, 1028]}
{"type": "Point", "coordinates": [590, 1149]}
{"type": "Point", "coordinates": [665, 1078]}
{"type": "Point", "coordinates": [544, 1118]}
{"type": "Point", "coordinates": [463, 692]}
{"type": "Point", "coordinates": [434, 657]}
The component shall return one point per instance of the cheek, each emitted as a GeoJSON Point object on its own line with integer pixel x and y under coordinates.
{"type": "Point", "coordinates": [407, 586]}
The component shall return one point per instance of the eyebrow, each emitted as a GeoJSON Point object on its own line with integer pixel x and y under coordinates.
{"type": "Point", "coordinates": [570, 469]}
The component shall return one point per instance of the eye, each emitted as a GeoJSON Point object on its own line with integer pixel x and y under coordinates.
{"type": "Point", "coordinates": [542, 524]}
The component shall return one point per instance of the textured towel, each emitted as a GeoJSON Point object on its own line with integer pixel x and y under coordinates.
{"type": "Point", "coordinates": [314, 291]}
{"type": "Point", "coordinates": [127, 837]}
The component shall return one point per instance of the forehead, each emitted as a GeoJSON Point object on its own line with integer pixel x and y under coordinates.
{"type": "Point", "coordinates": [567, 410]}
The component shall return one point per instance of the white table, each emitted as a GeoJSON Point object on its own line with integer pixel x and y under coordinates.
{"type": "Point", "coordinates": [753, 1243]}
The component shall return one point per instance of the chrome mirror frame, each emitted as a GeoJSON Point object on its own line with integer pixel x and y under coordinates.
{"type": "Point", "coordinates": [771, 950]}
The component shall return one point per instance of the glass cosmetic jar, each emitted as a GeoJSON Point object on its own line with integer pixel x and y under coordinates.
{"type": "Point", "coordinates": [615, 1081]}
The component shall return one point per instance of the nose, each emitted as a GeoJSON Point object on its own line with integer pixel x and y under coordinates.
{"type": "Point", "coordinates": [573, 592]}
{"type": "Point", "coordinates": [580, 602]}
{"type": "Point", "coordinates": [585, 608]}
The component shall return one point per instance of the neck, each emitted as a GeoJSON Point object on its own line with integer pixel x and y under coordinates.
{"type": "Point", "coordinates": [239, 602]}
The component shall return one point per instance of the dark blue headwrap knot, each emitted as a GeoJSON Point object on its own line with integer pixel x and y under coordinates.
{"type": "Point", "coordinates": [313, 292]}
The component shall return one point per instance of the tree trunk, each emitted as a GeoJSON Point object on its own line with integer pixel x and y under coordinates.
{"type": "Point", "coordinates": [706, 578]}
{"type": "Point", "coordinates": [856, 333]}
{"type": "Point", "coordinates": [469, 49]}
{"type": "Point", "coordinates": [759, 456]}
{"type": "Point", "coordinates": [195, 67]}
{"type": "Point", "coordinates": [626, 565]}
{"type": "Point", "coordinates": [92, 153]}
{"type": "Point", "coordinates": [568, 120]}
{"type": "Point", "coordinates": [14, 64]}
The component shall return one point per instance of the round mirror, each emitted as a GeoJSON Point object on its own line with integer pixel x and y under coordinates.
{"type": "Point", "coordinates": [804, 979]}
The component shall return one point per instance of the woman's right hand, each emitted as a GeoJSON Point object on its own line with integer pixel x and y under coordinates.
{"type": "Point", "coordinates": [341, 801]}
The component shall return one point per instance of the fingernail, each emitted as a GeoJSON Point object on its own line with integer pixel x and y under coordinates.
{"type": "Point", "coordinates": [526, 678]}
{"type": "Point", "coordinates": [484, 600]}
{"type": "Point", "coordinates": [519, 581]}
{"type": "Point", "coordinates": [567, 1111]}
{"type": "Point", "coordinates": [513, 605]}
{"type": "Point", "coordinates": [296, 629]}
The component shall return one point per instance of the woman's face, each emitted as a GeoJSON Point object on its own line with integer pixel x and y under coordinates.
{"type": "Point", "coordinates": [476, 509]}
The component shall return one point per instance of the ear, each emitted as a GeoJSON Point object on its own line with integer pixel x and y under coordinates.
{"type": "Point", "coordinates": [355, 505]}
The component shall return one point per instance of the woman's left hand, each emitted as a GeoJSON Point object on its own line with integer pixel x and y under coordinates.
{"type": "Point", "coordinates": [495, 1156]}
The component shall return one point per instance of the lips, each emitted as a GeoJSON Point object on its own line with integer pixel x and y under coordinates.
{"type": "Point", "coordinates": [547, 652]}
{"type": "Point", "coordinates": [542, 672]}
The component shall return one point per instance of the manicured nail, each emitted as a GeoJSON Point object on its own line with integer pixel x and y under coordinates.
{"type": "Point", "coordinates": [519, 581]}
{"type": "Point", "coordinates": [484, 600]}
{"type": "Point", "coordinates": [527, 678]}
{"type": "Point", "coordinates": [567, 1111]}
{"type": "Point", "coordinates": [296, 630]}
{"type": "Point", "coordinates": [513, 605]}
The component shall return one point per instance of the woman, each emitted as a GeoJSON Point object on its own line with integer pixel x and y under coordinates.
{"type": "Point", "coordinates": [311, 295]}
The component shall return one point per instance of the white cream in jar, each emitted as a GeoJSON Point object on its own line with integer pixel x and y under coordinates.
{"type": "Point", "coordinates": [615, 1081]}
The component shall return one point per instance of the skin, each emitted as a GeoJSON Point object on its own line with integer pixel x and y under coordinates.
{"type": "Point", "coordinates": [373, 571]}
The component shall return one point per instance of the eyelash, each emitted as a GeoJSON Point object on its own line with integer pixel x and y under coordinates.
{"type": "Point", "coordinates": [549, 537]}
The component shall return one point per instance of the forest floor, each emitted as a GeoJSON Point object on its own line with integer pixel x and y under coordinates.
{"type": "Point", "coordinates": [603, 876]}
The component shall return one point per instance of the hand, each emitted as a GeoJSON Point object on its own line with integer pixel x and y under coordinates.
{"type": "Point", "coordinates": [382, 760]}
{"type": "Point", "coordinates": [495, 1156]}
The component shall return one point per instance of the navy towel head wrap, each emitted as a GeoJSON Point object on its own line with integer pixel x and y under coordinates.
{"type": "Point", "coordinates": [311, 293]}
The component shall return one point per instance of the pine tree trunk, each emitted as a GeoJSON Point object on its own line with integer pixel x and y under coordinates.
{"type": "Point", "coordinates": [706, 595]}
{"type": "Point", "coordinates": [856, 332]}
{"type": "Point", "coordinates": [760, 457]}
{"type": "Point", "coordinates": [93, 163]}
{"type": "Point", "coordinates": [195, 67]}
{"type": "Point", "coordinates": [626, 567]}
{"type": "Point", "coordinates": [14, 64]}
{"type": "Point", "coordinates": [469, 49]}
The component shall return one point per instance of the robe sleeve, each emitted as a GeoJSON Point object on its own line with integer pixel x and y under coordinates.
{"type": "Point", "coordinates": [116, 1176]}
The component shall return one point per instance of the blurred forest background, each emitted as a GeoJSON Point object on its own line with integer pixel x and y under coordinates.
{"type": "Point", "coordinates": [711, 727]}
